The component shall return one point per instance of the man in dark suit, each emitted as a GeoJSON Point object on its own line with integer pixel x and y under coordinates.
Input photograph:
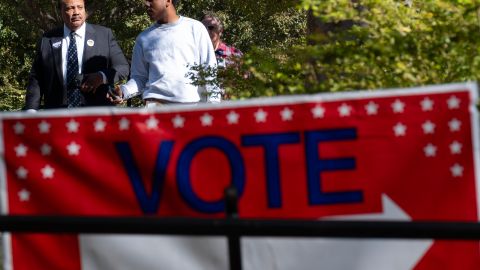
{"type": "Point", "coordinates": [58, 80]}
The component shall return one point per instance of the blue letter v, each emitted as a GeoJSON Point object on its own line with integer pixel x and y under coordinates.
{"type": "Point", "coordinates": [149, 204]}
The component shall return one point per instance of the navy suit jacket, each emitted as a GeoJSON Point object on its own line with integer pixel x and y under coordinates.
{"type": "Point", "coordinates": [46, 87]}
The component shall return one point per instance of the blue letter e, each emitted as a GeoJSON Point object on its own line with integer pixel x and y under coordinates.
{"type": "Point", "coordinates": [315, 167]}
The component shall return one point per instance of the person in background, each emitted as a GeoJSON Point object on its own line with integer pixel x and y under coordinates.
{"type": "Point", "coordinates": [223, 52]}
{"type": "Point", "coordinates": [164, 55]}
{"type": "Point", "coordinates": [75, 64]}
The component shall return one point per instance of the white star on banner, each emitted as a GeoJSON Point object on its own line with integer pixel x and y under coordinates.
{"type": "Point", "coordinates": [45, 149]}
{"type": "Point", "coordinates": [455, 148]}
{"type": "Point", "coordinates": [22, 172]}
{"type": "Point", "coordinates": [232, 117]}
{"type": "Point", "coordinates": [454, 125]}
{"type": "Point", "coordinates": [371, 108]}
{"type": "Point", "coordinates": [73, 149]}
{"type": "Point", "coordinates": [99, 125]}
{"type": "Point", "coordinates": [427, 104]}
{"type": "Point", "coordinates": [206, 119]}
{"type": "Point", "coordinates": [21, 150]}
{"type": "Point", "coordinates": [124, 124]}
{"type": "Point", "coordinates": [178, 121]}
{"type": "Point", "coordinates": [318, 111]}
{"type": "Point", "coordinates": [72, 126]}
{"type": "Point", "coordinates": [47, 172]}
{"type": "Point", "coordinates": [44, 127]}
{"type": "Point", "coordinates": [456, 170]}
{"type": "Point", "coordinates": [152, 122]}
{"type": "Point", "coordinates": [287, 114]}
{"type": "Point", "coordinates": [400, 129]}
{"type": "Point", "coordinates": [24, 195]}
{"type": "Point", "coordinates": [430, 150]}
{"type": "Point", "coordinates": [344, 110]}
{"type": "Point", "coordinates": [428, 127]}
{"type": "Point", "coordinates": [453, 103]}
{"type": "Point", "coordinates": [260, 116]}
{"type": "Point", "coordinates": [19, 128]}
{"type": "Point", "coordinates": [398, 106]}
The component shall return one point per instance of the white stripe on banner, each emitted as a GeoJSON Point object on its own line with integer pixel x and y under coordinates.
{"type": "Point", "coordinates": [120, 252]}
{"type": "Point", "coordinates": [142, 252]}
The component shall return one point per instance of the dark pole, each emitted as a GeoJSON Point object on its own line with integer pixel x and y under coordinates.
{"type": "Point", "coordinates": [231, 209]}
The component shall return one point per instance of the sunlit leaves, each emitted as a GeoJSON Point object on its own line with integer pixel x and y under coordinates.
{"type": "Point", "coordinates": [387, 44]}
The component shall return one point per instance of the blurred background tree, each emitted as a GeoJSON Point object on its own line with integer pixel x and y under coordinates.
{"type": "Point", "coordinates": [291, 47]}
{"type": "Point", "coordinates": [249, 23]}
{"type": "Point", "coordinates": [370, 44]}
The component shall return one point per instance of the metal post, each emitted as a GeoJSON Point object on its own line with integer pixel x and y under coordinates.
{"type": "Point", "coordinates": [231, 209]}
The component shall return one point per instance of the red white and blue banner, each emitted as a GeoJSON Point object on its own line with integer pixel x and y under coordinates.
{"type": "Point", "coordinates": [405, 154]}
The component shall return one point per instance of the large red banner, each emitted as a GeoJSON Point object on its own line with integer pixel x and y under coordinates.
{"type": "Point", "coordinates": [407, 154]}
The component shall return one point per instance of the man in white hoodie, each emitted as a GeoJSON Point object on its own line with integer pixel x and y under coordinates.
{"type": "Point", "coordinates": [164, 55]}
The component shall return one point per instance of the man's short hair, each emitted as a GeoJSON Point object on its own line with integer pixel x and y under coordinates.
{"type": "Point", "coordinates": [60, 3]}
{"type": "Point", "coordinates": [176, 3]}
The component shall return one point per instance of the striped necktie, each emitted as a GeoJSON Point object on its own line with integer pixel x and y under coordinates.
{"type": "Point", "coordinates": [73, 91]}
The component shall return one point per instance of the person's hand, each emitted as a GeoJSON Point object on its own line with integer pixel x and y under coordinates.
{"type": "Point", "coordinates": [91, 82]}
{"type": "Point", "coordinates": [115, 95]}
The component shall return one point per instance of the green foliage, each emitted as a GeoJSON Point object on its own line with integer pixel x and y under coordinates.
{"type": "Point", "coordinates": [249, 23]}
{"type": "Point", "coordinates": [14, 60]}
{"type": "Point", "coordinates": [126, 21]}
{"type": "Point", "coordinates": [271, 23]}
{"type": "Point", "coordinates": [389, 45]}
{"type": "Point", "coordinates": [355, 44]}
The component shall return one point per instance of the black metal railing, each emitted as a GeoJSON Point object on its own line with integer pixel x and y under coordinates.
{"type": "Point", "coordinates": [234, 228]}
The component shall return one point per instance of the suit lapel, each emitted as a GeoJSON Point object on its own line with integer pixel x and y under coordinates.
{"type": "Point", "coordinates": [56, 43]}
{"type": "Point", "coordinates": [89, 45]}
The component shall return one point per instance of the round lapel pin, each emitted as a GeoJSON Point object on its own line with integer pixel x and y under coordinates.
{"type": "Point", "coordinates": [90, 42]}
